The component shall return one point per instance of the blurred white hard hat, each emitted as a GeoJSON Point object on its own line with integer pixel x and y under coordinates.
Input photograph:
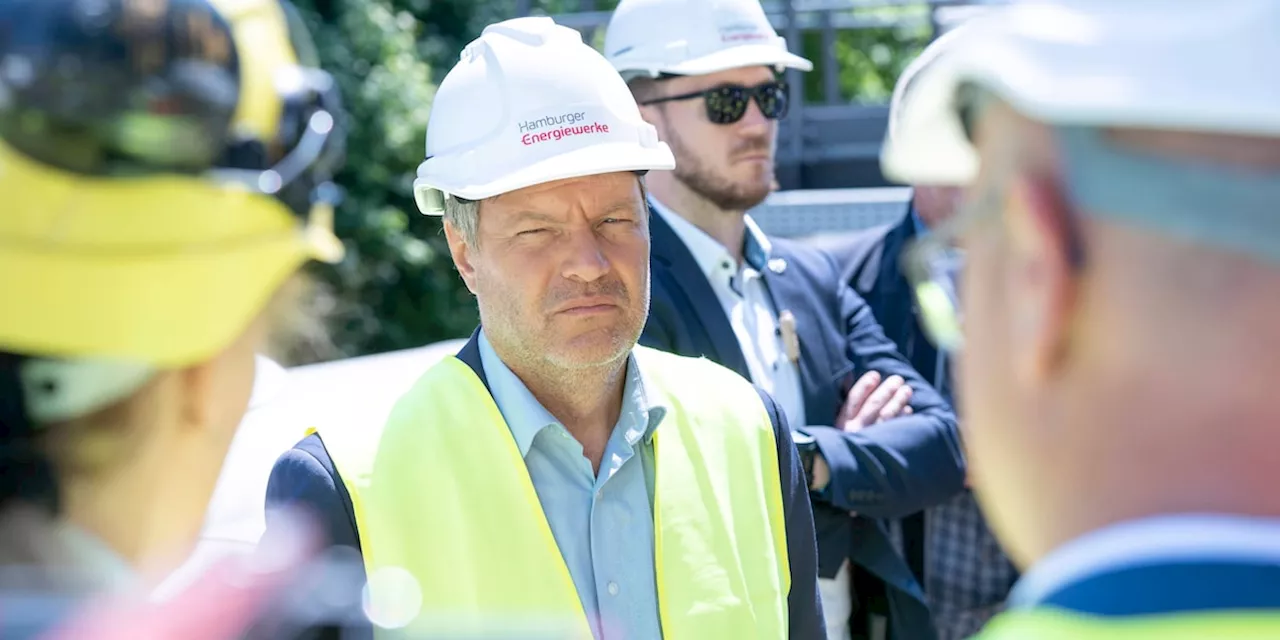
{"type": "Point", "coordinates": [1162, 64]}
{"type": "Point", "coordinates": [694, 37]}
{"type": "Point", "coordinates": [530, 103]}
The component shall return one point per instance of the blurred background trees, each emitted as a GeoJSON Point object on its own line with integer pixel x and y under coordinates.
{"type": "Point", "coordinates": [397, 287]}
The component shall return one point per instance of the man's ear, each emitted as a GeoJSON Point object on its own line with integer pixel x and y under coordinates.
{"type": "Point", "coordinates": [461, 253]}
{"type": "Point", "coordinates": [1042, 276]}
{"type": "Point", "coordinates": [214, 391]}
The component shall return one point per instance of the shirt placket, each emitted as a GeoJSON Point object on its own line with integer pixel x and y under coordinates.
{"type": "Point", "coordinates": [611, 529]}
{"type": "Point", "coordinates": [752, 305]}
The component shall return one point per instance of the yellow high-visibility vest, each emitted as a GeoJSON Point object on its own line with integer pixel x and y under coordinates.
{"type": "Point", "coordinates": [455, 540]}
{"type": "Point", "coordinates": [1056, 624]}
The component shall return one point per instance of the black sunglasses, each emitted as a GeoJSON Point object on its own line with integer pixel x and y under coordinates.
{"type": "Point", "coordinates": [727, 104]}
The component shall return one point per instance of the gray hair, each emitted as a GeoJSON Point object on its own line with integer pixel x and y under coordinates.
{"type": "Point", "coordinates": [464, 215]}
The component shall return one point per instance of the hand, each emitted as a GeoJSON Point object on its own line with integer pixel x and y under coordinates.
{"type": "Point", "coordinates": [870, 401]}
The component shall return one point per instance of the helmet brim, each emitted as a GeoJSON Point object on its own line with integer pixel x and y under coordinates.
{"type": "Point", "coordinates": [591, 160]}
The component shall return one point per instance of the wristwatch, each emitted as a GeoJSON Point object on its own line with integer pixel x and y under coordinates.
{"type": "Point", "coordinates": [807, 446]}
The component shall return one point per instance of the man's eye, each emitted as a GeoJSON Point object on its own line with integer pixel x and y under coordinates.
{"type": "Point", "coordinates": [613, 220]}
{"type": "Point", "coordinates": [528, 232]}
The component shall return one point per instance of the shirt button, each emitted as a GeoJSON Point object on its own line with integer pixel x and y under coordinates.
{"type": "Point", "coordinates": [613, 588]}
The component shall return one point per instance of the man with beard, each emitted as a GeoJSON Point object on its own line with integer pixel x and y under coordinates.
{"type": "Point", "coordinates": [881, 442]}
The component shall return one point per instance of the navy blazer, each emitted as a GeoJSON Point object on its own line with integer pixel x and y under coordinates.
{"type": "Point", "coordinates": [885, 471]}
{"type": "Point", "coordinates": [305, 475]}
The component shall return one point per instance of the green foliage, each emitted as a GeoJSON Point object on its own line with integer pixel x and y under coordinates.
{"type": "Point", "coordinates": [397, 287]}
{"type": "Point", "coordinates": [868, 60]}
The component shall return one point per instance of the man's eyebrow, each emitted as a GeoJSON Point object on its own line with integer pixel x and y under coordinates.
{"type": "Point", "coordinates": [627, 206]}
{"type": "Point", "coordinates": [533, 216]}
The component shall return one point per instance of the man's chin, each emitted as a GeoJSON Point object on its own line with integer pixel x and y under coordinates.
{"type": "Point", "coordinates": [593, 349]}
{"type": "Point", "coordinates": [750, 198]}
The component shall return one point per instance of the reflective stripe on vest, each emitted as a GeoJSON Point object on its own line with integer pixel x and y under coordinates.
{"type": "Point", "coordinates": [441, 495]}
{"type": "Point", "coordinates": [1055, 624]}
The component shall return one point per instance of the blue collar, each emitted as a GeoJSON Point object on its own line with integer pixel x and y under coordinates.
{"type": "Point", "coordinates": [707, 251]}
{"type": "Point", "coordinates": [526, 417]}
{"type": "Point", "coordinates": [1170, 563]}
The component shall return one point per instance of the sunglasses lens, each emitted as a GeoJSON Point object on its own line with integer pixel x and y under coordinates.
{"type": "Point", "coordinates": [726, 105]}
{"type": "Point", "coordinates": [773, 100]}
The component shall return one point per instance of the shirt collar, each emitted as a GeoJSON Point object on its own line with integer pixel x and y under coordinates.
{"type": "Point", "coordinates": [525, 416]}
{"type": "Point", "coordinates": [709, 253]}
{"type": "Point", "coordinates": [1151, 541]}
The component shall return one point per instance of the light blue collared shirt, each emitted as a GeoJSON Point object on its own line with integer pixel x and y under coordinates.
{"type": "Point", "coordinates": [603, 524]}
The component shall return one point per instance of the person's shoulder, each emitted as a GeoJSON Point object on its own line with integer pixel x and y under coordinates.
{"type": "Point", "coordinates": [657, 363]}
{"type": "Point", "coordinates": [859, 244]}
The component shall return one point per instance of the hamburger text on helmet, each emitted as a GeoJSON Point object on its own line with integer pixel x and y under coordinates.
{"type": "Point", "coordinates": [558, 127]}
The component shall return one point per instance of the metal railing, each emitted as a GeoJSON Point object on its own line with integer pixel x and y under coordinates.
{"type": "Point", "coordinates": [812, 213]}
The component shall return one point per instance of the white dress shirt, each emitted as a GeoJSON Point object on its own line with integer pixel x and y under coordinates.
{"type": "Point", "coordinates": [741, 290]}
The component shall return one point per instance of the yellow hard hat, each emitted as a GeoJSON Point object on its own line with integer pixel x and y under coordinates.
{"type": "Point", "coordinates": [164, 167]}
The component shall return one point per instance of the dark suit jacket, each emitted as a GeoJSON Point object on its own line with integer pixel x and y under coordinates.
{"type": "Point", "coordinates": [885, 471]}
{"type": "Point", "coordinates": [305, 475]}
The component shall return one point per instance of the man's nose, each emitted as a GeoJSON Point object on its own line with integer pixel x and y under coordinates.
{"type": "Point", "coordinates": [585, 258]}
{"type": "Point", "coordinates": [753, 121]}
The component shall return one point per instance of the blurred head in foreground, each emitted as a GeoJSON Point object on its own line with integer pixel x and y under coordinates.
{"type": "Point", "coordinates": [166, 168]}
{"type": "Point", "coordinates": [1121, 241]}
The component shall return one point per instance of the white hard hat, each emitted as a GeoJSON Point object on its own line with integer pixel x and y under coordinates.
{"type": "Point", "coordinates": [530, 103]}
{"type": "Point", "coordinates": [906, 81]}
{"type": "Point", "coordinates": [1198, 66]}
{"type": "Point", "coordinates": [694, 37]}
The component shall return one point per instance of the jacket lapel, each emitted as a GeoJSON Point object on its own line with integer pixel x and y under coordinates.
{"type": "Point", "coordinates": [470, 355]}
{"type": "Point", "coordinates": [788, 292]}
{"type": "Point", "coordinates": [670, 252]}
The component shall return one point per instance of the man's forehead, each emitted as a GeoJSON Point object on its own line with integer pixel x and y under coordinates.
{"type": "Point", "coordinates": [598, 192]}
{"type": "Point", "coordinates": [1228, 149]}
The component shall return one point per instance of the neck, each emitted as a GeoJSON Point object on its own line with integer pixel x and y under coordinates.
{"type": "Point", "coordinates": [150, 523]}
{"type": "Point", "coordinates": [587, 402]}
{"type": "Point", "coordinates": [1169, 459]}
{"type": "Point", "coordinates": [726, 226]}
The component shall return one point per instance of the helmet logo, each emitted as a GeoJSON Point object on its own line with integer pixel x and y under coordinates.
{"type": "Point", "coordinates": [741, 32]}
{"type": "Point", "coordinates": [559, 127]}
